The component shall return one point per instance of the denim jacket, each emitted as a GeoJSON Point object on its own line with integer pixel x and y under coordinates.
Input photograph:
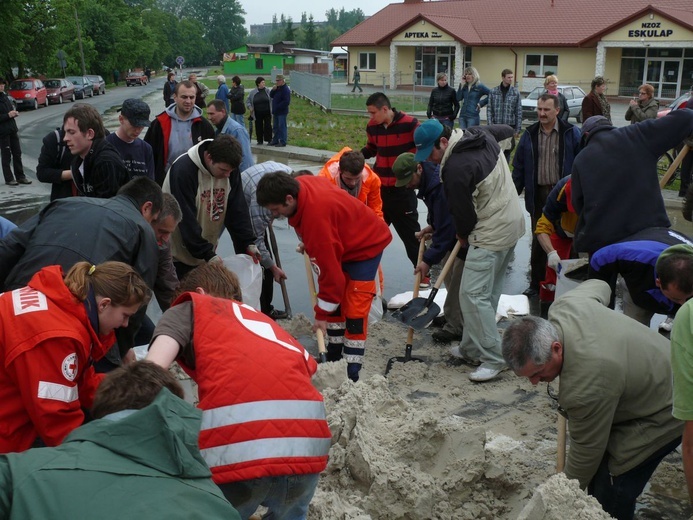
{"type": "Point", "coordinates": [470, 98]}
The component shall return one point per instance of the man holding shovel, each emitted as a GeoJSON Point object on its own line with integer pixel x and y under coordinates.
{"type": "Point", "coordinates": [261, 221]}
{"type": "Point", "coordinates": [488, 218]}
{"type": "Point", "coordinates": [615, 389]}
{"type": "Point", "coordinates": [425, 178]}
{"type": "Point", "coordinates": [345, 241]}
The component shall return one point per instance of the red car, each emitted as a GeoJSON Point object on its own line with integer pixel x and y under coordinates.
{"type": "Point", "coordinates": [679, 102]}
{"type": "Point", "coordinates": [60, 90]}
{"type": "Point", "coordinates": [136, 78]}
{"type": "Point", "coordinates": [29, 93]}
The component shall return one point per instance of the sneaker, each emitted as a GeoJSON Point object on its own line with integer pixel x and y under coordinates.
{"type": "Point", "coordinates": [455, 352]}
{"type": "Point", "coordinates": [425, 283]}
{"type": "Point", "coordinates": [12, 183]}
{"type": "Point", "coordinates": [24, 180]}
{"type": "Point", "coordinates": [667, 324]}
{"type": "Point", "coordinates": [445, 336]}
{"type": "Point", "coordinates": [483, 374]}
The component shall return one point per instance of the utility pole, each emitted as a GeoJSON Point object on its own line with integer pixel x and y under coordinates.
{"type": "Point", "coordinates": [79, 40]}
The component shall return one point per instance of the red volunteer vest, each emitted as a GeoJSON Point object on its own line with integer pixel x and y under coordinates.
{"type": "Point", "coordinates": [262, 416]}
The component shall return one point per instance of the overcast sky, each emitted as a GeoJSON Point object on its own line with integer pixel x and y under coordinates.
{"type": "Point", "coordinates": [258, 11]}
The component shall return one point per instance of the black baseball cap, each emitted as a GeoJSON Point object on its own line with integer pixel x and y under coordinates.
{"type": "Point", "coordinates": [136, 111]}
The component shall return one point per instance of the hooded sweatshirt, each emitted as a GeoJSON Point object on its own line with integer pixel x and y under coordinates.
{"type": "Point", "coordinates": [181, 133]}
{"type": "Point", "coordinates": [204, 201]}
{"type": "Point", "coordinates": [150, 456]}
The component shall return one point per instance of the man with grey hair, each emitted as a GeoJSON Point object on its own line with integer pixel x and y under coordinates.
{"type": "Point", "coordinates": [615, 390]}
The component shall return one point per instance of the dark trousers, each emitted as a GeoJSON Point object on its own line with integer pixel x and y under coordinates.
{"type": "Point", "coordinates": [263, 127]}
{"type": "Point", "coordinates": [267, 291]}
{"type": "Point", "coordinates": [399, 209]}
{"type": "Point", "coordinates": [617, 495]}
{"type": "Point", "coordinates": [11, 153]}
{"type": "Point", "coordinates": [537, 258]}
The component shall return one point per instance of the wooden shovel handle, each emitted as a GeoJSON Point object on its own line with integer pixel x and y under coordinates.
{"type": "Point", "coordinates": [561, 440]}
{"type": "Point", "coordinates": [314, 299]}
{"type": "Point", "coordinates": [674, 165]}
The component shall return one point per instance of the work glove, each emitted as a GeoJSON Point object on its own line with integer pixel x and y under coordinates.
{"type": "Point", "coordinates": [254, 253]}
{"type": "Point", "coordinates": [552, 260]}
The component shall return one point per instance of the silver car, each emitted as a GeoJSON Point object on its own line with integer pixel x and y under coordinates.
{"type": "Point", "coordinates": [573, 94]}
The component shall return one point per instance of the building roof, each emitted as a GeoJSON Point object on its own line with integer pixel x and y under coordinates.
{"type": "Point", "coordinates": [554, 23]}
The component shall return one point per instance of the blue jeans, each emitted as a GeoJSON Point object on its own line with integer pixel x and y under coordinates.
{"type": "Point", "coordinates": [239, 118]}
{"type": "Point", "coordinates": [287, 498]}
{"type": "Point", "coordinates": [617, 494]}
{"type": "Point", "coordinates": [467, 121]}
{"type": "Point", "coordinates": [279, 124]}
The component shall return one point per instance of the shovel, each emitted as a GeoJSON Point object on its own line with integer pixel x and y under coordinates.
{"type": "Point", "coordinates": [420, 312]}
{"type": "Point", "coordinates": [282, 284]}
{"type": "Point", "coordinates": [322, 350]}
{"type": "Point", "coordinates": [410, 335]}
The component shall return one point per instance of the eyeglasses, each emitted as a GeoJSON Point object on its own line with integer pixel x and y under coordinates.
{"type": "Point", "coordinates": [642, 93]}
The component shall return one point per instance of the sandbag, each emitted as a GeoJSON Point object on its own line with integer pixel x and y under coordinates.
{"type": "Point", "coordinates": [250, 277]}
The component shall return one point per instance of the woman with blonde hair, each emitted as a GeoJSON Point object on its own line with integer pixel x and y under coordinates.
{"type": "Point", "coordinates": [551, 86]}
{"type": "Point", "coordinates": [645, 106]}
{"type": "Point", "coordinates": [472, 95]}
{"type": "Point", "coordinates": [50, 333]}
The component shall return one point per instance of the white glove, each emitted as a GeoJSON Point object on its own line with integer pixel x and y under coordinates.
{"type": "Point", "coordinates": [254, 253]}
{"type": "Point", "coordinates": [552, 260]}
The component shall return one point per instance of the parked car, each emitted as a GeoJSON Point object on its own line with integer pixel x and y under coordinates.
{"type": "Point", "coordinates": [136, 78]}
{"type": "Point", "coordinates": [60, 90]}
{"type": "Point", "coordinates": [83, 87]}
{"type": "Point", "coordinates": [13, 101]}
{"type": "Point", "coordinates": [98, 83]}
{"type": "Point", "coordinates": [29, 93]}
{"type": "Point", "coordinates": [572, 93]}
{"type": "Point", "coordinates": [679, 102]}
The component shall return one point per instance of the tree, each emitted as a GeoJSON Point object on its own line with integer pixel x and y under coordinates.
{"type": "Point", "coordinates": [289, 30]}
{"type": "Point", "coordinates": [310, 34]}
{"type": "Point", "coordinates": [222, 21]}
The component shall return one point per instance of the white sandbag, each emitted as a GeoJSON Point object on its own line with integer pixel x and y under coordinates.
{"type": "Point", "coordinates": [250, 277]}
{"type": "Point", "coordinates": [398, 300]}
{"type": "Point", "coordinates": [563, 281]}
{"type": "Point", "coordinates": [512, 305]}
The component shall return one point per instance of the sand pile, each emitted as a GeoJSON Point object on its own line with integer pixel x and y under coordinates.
{"type": "Point", "coordinates": [426, 443]}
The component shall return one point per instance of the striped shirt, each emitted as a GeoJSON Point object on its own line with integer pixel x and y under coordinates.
{"type": "Point", "coordinates": [548, 171]}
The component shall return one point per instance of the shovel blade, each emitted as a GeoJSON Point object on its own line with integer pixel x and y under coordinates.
{"type": "Point", "coordinates": [417, 314]}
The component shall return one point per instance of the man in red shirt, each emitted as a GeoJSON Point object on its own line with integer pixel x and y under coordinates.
{"type": "Point", "coordinates": [345, 241]}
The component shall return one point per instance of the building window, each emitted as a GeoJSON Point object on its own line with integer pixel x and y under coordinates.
{"type": "Point", "coordinates": [540, 65]}
{"type": "Point", "coordinates": [367, 60]}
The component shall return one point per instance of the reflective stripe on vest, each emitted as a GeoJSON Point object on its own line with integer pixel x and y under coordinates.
{"type": "Point", "coordinates": [266, 449]}
{"type": "Point", "coordinates": [262, 411]}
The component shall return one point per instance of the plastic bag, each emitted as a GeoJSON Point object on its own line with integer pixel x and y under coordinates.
{"type": "Point", "coordinates": [250, 277]}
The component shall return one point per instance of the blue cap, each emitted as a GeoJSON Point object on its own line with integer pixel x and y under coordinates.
{"type": "Point", "coordinates": [424, 138]}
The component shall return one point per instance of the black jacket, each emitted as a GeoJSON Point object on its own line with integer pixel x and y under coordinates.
{"type": "Point", "coordinates": [616, 191]}
{"type": "Point", "coordinates": [55, 157]}
{"type": "Point", "coordinates": [104, 171]}
{"type": "Point", "coordinates": [7, 124]}
{"type": "Point", "coordinates": [443, 103]}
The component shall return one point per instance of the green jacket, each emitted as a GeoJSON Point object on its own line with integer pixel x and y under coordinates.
{"type": "Point", "coordinates": [145, 465]}
{"type": "Point", "coordinates": [615, 384]}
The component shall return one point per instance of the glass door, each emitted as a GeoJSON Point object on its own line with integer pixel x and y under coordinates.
{"type": "Point", "coordinates": [665, 76]}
